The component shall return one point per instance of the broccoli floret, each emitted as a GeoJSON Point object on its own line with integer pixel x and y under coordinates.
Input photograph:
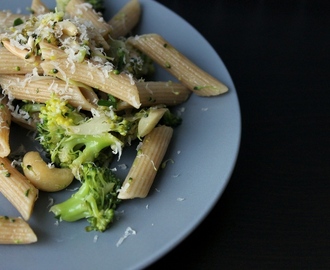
{"type": "Point", "coordinates": [127, 58]}
{"type": "Point", "coordinates": [170, 119]}
{"type": "Point", "coordinates": [72, 138]}
{"type": "Point", "coordinates": [85, 143]}
{"type": "Point", "coordinates": [32, 107]}
{"type": "Point", "coordinates": [96, 199]}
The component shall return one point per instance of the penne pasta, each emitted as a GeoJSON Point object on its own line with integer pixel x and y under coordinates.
{"type": "Point", "coordinates": [41, 88]}
{"type": "Point", "coordinates": [17, 189]}
{"type": "Point", "coordinates": [15, 230]}
{"type": "Point", "coordinates": [12, 64]}
{"type": "Point", "coordinates": [154, 93]}
{"type": "Point", "coordinates": [38, 7]}
{"type": "Point", "coordinates": [166, 93]}
{"type": "Point", "coordinates": [5, 120]}
{"type": "Point", "coordinates": [24, 54]}
{"type": "Point", "coordinates": [125, 20]}
{"type": "Point", "coordinates": [146, 164]}
{"type": "Point", "coordinates": [163, 53]}
{"type": "Point", "coordinates": [121, 86]}
{"type": "Point", "coordinates": [81, 9]}
{"type": "Point", "coordinates": [9, 19]}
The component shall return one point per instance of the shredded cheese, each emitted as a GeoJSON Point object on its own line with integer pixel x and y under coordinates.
{"type": "Point", "coordinates": [128, 232]}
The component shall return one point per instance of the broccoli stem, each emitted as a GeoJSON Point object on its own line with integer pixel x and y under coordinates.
{"type": "Point", "coordinates": [95, 200]}
{"type": "Point", "coordinates": [74, 208]}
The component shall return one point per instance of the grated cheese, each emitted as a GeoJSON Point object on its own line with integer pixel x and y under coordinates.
{"type": "Point", "coordinates": [128, 232]}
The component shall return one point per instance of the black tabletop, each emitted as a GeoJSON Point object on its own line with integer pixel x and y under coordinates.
{"type": "Point", "coordinates": [274, 213]}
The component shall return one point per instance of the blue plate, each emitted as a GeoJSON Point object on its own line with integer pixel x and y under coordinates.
{"type": "Point", "coordinates": [204, 150]}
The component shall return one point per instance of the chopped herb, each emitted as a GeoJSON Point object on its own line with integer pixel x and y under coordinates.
{"type": "Point", "coordinates": [167, 65]}
{"type": "Point", "coordinates": [165, 45]}
{"type": "Point", "coordinates": [200, 87]}
{"type": "Point", "coordinates": [54, 71]}
{"type": "Point", "coordinates": [111, 101]}
{"type": "Point", "coordinates": [17, 68]}
{"type": "Point", "coordinates": [17, 22]}
{"type": "Point", "coordinates": [27, 193]}
{"type": "Point", "coordinates": [28, 55]}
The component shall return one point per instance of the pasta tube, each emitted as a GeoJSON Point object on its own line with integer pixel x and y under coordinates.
{"type": "Point", "coordinates": [81, 9]}
{"type": "Point", "coordinates": [17, 189]}
{"type": "Point", "coordinates": [163, 53]}
{"type": "Point", "coordinates": [146, 164]}
{"type": "Point", "coordinates": [153, 93]}
{"type": "Point", "coordinates": [40, 90]}
{"type": "Point", "coordinates": [121, 86]}
{"type": "Point", "coordinates": [5, 119]}
{"type": "Point", "coordinates": [38, 7]}
{"type": "Point", "coordinates": [125, 20]}
{"type": "Point", "coordinates": [8, 19]}
{"type": "Point", "coordinates": [12, 64]}
{"type": "Point", "coordinates": [15, 230]}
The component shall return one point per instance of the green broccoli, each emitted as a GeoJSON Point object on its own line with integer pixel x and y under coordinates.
{"type": "Point", "coordinates": [86, 143]}
{"type": "Point", "coordinates": [72, 138]}
{"type": "Point", "coordinates": [127, 58]}
{"type": "Point", "coordinates": [171, 119]}
{"type": "Point", "coordinates": [96, 199]}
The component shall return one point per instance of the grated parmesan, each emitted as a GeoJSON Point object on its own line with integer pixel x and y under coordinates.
{"type": "Point", "coordinates": [128, 232]}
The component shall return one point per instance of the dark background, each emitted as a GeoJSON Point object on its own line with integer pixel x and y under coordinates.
{"type": "Point", "coordinates": [274, 213]}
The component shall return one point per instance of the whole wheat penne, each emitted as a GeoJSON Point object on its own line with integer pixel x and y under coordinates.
{"type": "Point", "coordinates": [40, 89]}
{"type": "Point", "coordinates": [125, 20]}
{"type": "Point", "coordinates": [120, 86]}
{"type": "Point", "coordinates": [17, 189]}
{"type": "Point", "coordinates": [8, 19]}
{"type": "Point", "coordinates": [38, 7]}
{"type": "Point", "coordinates": [5, 119]}
{"type": "Point", "coordinates": [81, 9]}
{"type": "Point", "coordinates": [15, 230]}
{"type": "Point", "coordinates": [154, 93]}
{"type": "Point", "coordinates": [24, 54]}
{"type": "Point", "coordinates": [12, 64]}
{"type": "Point", "coordinates": [168, 57]}
{"type": "Point", "coordinates": [146, 164]}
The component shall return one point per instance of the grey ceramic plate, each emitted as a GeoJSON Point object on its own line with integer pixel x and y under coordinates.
{"type": "Point", "coordinates": [204, 149]}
